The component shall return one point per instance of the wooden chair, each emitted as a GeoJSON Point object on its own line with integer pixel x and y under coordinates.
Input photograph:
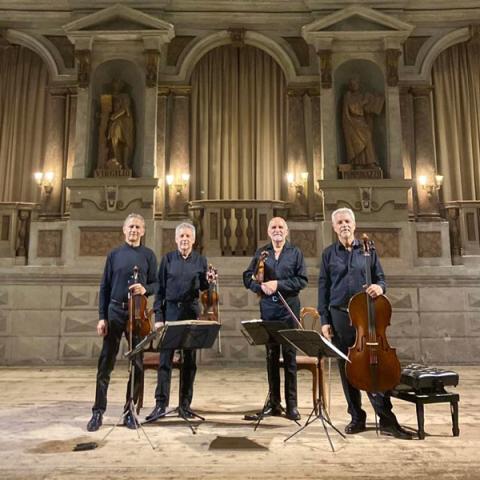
{"type": "Point", "coordinates": [310, 320]}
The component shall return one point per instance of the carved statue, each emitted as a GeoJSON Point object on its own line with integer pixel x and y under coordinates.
{"type": "Point", "coordinates": [357, 119]}
{"type": "Point", "coordinates": [116, 132]}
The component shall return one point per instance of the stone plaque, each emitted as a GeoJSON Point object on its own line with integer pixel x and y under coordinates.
{"type": "Point", "coordinates": [49, 243]}
{"type": "Point", "coordinates": [429, 244]}
{"type": "Point", "coordinates": [98, 241]}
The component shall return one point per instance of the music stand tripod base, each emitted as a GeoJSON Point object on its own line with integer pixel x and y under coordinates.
{"type": "Point", "coordinates": [314, 345]}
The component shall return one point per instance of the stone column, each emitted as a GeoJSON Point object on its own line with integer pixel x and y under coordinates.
{"type": "Point", "coordinates": [328, 116]}
{"type": "Point", "coordinates": [178, 150]}
{"type": "Point", "coordinates": [55, 151]}
{"type": "Point", "coordinates": [394, 124]}
{"type": "Point", "coordinates": [162, 118]}
{"type": "Point", "coordinates": [297, 161]}
{"type": "Point", "coordinates": [428, 204]}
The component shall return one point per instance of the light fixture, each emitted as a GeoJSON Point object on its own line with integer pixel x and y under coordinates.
{"type": "Point", "coordinates": [299, 183]}
{"type": "Point", "coordinates": [179, 182]}
{"type": "Point", "coordinates": [430, 186]}
{"type": "Point", "coordinates": [45, 181]}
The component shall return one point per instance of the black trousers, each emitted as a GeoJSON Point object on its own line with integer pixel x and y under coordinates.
{"type": "Point", "coordinates": [188, 369]}
{"type": "Point", "coordinates": [344, 337]}
{"type": "Point", "coordinates": [275, 312]}
{"type": "Point", "coordinates": [117, 322]}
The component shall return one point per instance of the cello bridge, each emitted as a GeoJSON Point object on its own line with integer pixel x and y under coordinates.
{"type": "Point", "coordinates": [372, 344]}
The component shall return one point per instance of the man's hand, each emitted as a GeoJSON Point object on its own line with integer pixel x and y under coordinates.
{"type": "Point", "coordinates": [374, 290]}
{"type": "Point", "coordinates": [270, 287]}
{"type": "Point", "coordinates": [137, 289]}
{"type": "Point", "coordinates": [102, 328]}
{"type": "Point", "coordinates": [327, 332]}
{"type": "Point", "coordinates": [159, 325]}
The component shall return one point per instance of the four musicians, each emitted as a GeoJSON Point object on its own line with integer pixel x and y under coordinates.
{"type": "Point", "coordinates": [183, 274]}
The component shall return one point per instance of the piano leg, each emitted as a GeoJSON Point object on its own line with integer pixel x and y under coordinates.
{"type": "Point", "coordinates": [420, 419]}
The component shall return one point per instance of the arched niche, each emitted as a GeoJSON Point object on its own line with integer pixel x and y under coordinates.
{"type": "Point", "coordinates": [371, 80]}
{"type": "Point", "coordinates": [130, 73]}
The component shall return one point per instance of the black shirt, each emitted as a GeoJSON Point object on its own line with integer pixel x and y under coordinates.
{"type": "Point", "coordinates": [118, 274]}
{"type": "Point", "coordinates": [290, 272]}
{"type": "Point", "coordinates": [180, 279]}
{"type": "Point", "coordinates": [342, 275]}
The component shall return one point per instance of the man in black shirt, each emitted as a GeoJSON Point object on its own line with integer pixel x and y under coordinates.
{"type": "Point", "coordinates": [115, 287]}
{"type": "Point", "coordinates": [342, 275]}
{"type": "Point", "coordinates": [285, 272]}
{"type": "Point", "coordinates": [181, 276]}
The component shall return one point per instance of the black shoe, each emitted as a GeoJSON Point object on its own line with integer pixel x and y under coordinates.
{"type": "Point", "coordinates": [355, 427]}
{"type": "Point", "coordinates": [95, 422]}
{"type": "Point", "coordinates": [396, 431]}
{"type": "Point", "coordinates": [156, 413]}
{"type": "Point", "coordinates": [185, 412]}
{"type": "Point", "coordinates": [130, 421]}
{"type": "Point", "coordinates": [269, 411]}
{"type": "Point", "coordinates": [293, 414]}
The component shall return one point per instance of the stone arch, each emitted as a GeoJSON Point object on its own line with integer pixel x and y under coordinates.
{"type": "Point", "coordinates": [268, 45]}
{"type": "Point", "coordinates": [428, 56]}
{"type": "Point", "coordinates": [36, 45]}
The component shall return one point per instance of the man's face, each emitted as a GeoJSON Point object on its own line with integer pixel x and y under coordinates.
{"type": "Point", "coordinates": [185, 240]}
{"type": "Point", "coordinates": [133, 229]}
{"type": "Point", "coordinates": [344, 227]}
{"type": "Point", "coordinates": [277, 230]}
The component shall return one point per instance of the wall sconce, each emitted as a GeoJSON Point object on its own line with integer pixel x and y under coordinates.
{"type": "Point", "coordinates": [431, 187]}
{"type": "Point", "coordinates": [45, 181]}
{"type": "Point", "coordinates": [299, 183]}
{"type": "Point", "coordinates": [179, 182]}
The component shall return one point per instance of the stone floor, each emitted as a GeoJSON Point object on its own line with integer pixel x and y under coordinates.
{"type": "Point", "coordinates": [43, 413]}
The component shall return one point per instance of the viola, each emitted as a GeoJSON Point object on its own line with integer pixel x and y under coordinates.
{"type": "Point", "coordinates": [139, 322]}
{"type": "Point", "coordinates": [373, 366]}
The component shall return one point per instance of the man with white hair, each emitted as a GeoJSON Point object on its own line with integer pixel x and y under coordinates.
{"type": "Point", "coordinates": [181, 276]}
{"type": "Point", "coordinates": [117, 282]}
{"type": "Point", "coordinates": [342, 275]}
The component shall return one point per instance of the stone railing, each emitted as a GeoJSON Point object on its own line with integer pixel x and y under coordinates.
{"type": "Point", "coordinates": [233, 227]}
{"type": "Point", "coordinates": [464, 224]}
{"type": "Point", "coordinates": [14, 231]}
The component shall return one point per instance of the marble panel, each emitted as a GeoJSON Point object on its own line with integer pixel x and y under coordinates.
{"type": "Point", "coordinates": [473, 325]}
{"type": "Point", "coordinates": [34, 323]}
{"type": "Point", "coordinates": [4, 297]}
{"type": "Point", "coordinates": [473, 298]}
{"type": "Point", "coordinates": [403, 298]}
{"type": "Point", "coordinates": [49, 243]}
{"type": "Point", "coordinates": [404, 325]}
{"type": "Point", "coordinates": [79, 323]}
{"type": "Point", "coordinates": [36, 350]}
{"type": "Point", "coordinates": [446, 351]}
{"type": "Point", "coordinates": [76, 348]}
{"type": "Point", "coordinates": [442, 299]}
{"type": "Point", "coordinates": [98, 241]}
{"type": "Point", "coordinates": [429, 244]}
{"type": "Point", "coordinates": [76, 297]}
{"type": "Point", "coordinates": [306, 241]}
{"type": "Point", "coordinates": [442, 325]}
{"type": "Point", "coordinates": [4, 322]}
{"type": "Point", "coordinates": [36, 297]}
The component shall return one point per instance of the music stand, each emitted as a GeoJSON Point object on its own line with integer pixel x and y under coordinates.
{"type": "Point", "coordinates": [182, 335]}
{"type": "Point", "coordinates": [313, 344]}
{"type": "Point", "coordinates": [260, 332]}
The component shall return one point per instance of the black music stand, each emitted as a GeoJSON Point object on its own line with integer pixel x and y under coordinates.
{"type": "Point", "coordinates": [313, 344]}
{"type": "Point", "coordinates": [182, 335]}
{"type": "Point", "coordinates": [260, 332]}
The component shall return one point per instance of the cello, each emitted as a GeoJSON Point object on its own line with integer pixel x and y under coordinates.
{"type": "Point", "coordinates": [373, 366]}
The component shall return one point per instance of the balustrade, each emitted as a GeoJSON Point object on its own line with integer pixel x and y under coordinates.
{"type": "Point", "coordinates": [233, 227]}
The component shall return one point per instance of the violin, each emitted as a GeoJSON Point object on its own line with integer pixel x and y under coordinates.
{"type": "Point", "coordinates": [210, 301]}
{"type": "Point", "coordinates": [139, 322]}
{"type": "Point", "coordinates": [209, 298]}
{"type": "Point", "coordinates": [373, 366]}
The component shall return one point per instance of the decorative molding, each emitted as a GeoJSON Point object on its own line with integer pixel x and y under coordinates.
{"type": "Point", "coordinates": [237, 36]}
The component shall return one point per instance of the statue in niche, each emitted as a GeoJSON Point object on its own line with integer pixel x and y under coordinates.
{"type": "Point", "coordinates": [116, 133]}
{"type": "Point", "coordinates": [357, 120]}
